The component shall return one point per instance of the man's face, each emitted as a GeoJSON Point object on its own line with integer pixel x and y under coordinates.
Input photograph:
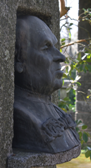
{"type": "Point", "coordinates": [41, 61]}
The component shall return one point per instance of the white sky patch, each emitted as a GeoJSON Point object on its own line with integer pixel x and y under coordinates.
{"type": "Point", "coordinates": [73, 13]}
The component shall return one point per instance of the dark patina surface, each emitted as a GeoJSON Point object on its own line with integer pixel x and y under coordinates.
{"type": "Point", "coordinates": [39, 125]}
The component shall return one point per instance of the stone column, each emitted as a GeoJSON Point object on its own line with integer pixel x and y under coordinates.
{"type": "Point", "coordinates": [49, 12]}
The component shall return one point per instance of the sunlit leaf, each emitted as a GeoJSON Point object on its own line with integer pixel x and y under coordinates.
{"type": "Point", "coordinates": [88, 96]}
{"type": "Point", "coordinates": [84, 126]}
{"type": "Point", "coordinates": [84, 56]}
{"type": "Point", "coordinates": [64, 109]}
{"type": "Point", "coordinates": [63, 39]}
{"type": "Point", "coordinates": [70, 35]}
{"type": "Point", "coordinates": [60, 50]}
{"type": "Point", "coordinates": [77, 78]}
{"type": "Point", "coordinates": [64, 75]}
{"type": "Point", "coordinates": [63, 67]}
{"type": "Point", "coordinates": [88, 56]}
{"type": "Point", "coordinates": [78, 83]}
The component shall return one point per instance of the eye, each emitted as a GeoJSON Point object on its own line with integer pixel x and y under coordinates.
{"type": "Point", "coordinates": [46, 46]}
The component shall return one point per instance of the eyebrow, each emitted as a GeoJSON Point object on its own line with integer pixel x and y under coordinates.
{"type": "Point", "coordinates": [48, 40]}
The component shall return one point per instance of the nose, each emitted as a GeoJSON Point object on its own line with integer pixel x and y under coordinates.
{"type": "Point", "coordinates": [58, 57]}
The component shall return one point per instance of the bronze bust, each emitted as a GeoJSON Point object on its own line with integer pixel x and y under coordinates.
{"type": "Point", "coordinates": [39, 125]}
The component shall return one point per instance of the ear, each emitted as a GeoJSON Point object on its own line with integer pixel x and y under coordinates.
{"type": "Point", "coordinates": [19, 67]}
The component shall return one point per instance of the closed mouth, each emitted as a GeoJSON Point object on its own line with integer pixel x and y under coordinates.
{"type": "Point", "coordinates": [59, 73]}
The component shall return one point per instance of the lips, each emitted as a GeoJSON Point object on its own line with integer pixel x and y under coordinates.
{"type": "Point", "coordinates": [58, 67]}
{"type": "Point", "coordinates": [59, 73]}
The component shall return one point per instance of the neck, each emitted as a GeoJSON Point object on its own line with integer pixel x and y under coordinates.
{"type": "Point", "coordinates": [26, 93]}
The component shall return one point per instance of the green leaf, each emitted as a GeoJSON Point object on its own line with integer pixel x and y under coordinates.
{"type": "Point", "coordinates": [66, 99]}
{"type": "Point", "coordinates": [84, 9]}
{"type": "Point", "coordinates": [84, 70]}
{"type": "Point", "coordinates": [62, 40]}
{"type": "Point", "coordinates": [78, 122]}
{"type": "Point", "coordinates": [77, 129]}
{"type": "Point", "coordinates": [64, 109]}
{"type": "Point", "coordinates": [64, 75]}
{"type": "Point", "coordinates": [84, 126]}
{"type": "Point", "coordinates": [80, 134]}
{"type": "Point", "coordinates": [85, 137]}
{"type": "Point", "coordinates": [79, 57]}
{"type": "Point", "coordinates": [70, 35]}
{"type": "Point", "coordinates": [89, 67]}
{"type": "Point", "coordinates": [78, 83]}
{"type": "Point", "coordinates": [88, 56]}
{"type": "Point", "coordinates": [81, 67]}
{"type": "Point", "coordinates": [70, 24]}
{"type": "Point", "coordinates": [88, 60]}
{"type": "Point", "coordinates": [84, 56]}
{"type": "Point", "coordinates": [60, 50]}
{"type": "Point", "coordinates": [63, 43]}
{"type": "Point", "coordinates": [88, 96]}
{"type": "Point", "coordinates": [87, 154]}
{"type": "Point", "coordinates": [68, 90]}
{"type": "Point", "coordinates": [82, 142]}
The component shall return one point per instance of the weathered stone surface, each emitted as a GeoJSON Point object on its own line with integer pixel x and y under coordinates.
{"type": "Point", "coordinates": [46, 167]}
{"type": "Point", "coordinates": [84, 107]}
{"type": "Point", "coordinates": [84, 27]}
{"type": "Point", "coordinates": [27, 160]}
{"type": "Point", "coordinates": [46, 10]}
{"type": "Point", "coordinates": [84, 90]}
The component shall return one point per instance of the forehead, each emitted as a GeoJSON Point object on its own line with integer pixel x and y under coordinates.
{"type": "Point", "coordinates": [38, 31]}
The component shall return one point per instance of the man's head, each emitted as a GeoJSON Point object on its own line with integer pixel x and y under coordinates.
{"type": "Point", "coordinates": [37, 61]}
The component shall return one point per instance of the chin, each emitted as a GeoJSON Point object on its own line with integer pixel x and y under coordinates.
{"type": "Point", "coordinates": [57, 84]}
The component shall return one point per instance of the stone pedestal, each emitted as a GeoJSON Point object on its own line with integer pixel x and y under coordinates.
{"type": "Point", "coordinates": [27, 160]}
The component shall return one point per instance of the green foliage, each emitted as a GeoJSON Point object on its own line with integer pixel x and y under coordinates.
{"type": "Point", "coordinates": [80, 64]}
{"type": "Point", "coordinates": [72, 68]}
{"type": "Point", "coordinates": [83, 136]}
{"type": "Point", "coordinates": [87, 15]}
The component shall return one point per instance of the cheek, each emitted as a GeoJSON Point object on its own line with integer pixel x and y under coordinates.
{"type": "Point", "coordinates": [42, 59]}
{"type": "Point", "coordinates": [39, 63]}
